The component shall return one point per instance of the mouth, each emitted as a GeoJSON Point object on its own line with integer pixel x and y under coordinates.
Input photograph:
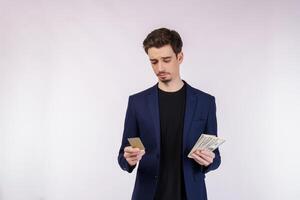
{"type": "Point", "coordinates": [162, 74]}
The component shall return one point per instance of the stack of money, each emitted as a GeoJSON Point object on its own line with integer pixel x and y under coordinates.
{"type": "Point", "coordinates": [205, 141]}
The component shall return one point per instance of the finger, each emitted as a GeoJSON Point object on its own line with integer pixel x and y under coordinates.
{"type": "Point", "coordinates": [205, 157]}
{"type": "Point", "coordinates": [140, 155]}
{"type": "Point", "coordinates": [208, 153]}
{"type": "Point", "coordinates": [205, 153]}
{"type": "Point", "coordinates": [196, 158]}
{"type": "Point", "coordinates": [133, 155]}
{"type": "Point", "coordinates": [133, 160]}
{"type": "Point", "coordinates": [200, 154]}
{"type": "Point", "coordinates": [200, 160]}
{"type": "Point", "coordinates": [136, 149]}
{"type": "Point", "coordinates": [130, 155]}
{"type": "Point", "coordinates": [142, 152]}
{"type": "Point", "coordinates": [129, 149]}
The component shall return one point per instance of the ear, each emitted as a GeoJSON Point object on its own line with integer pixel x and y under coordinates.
{"type": "Point", "coordinates": [180, 57]}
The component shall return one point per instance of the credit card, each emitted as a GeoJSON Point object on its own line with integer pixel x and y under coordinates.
{"type": "Point", "coordinates": [136, 143]}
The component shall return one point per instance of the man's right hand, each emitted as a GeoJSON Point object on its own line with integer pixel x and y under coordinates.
{"type": "Point", "coordinates": [133, 155]}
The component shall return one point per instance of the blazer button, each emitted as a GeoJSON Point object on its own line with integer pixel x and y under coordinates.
{"type": "Point", "coordinates": [155, 177]}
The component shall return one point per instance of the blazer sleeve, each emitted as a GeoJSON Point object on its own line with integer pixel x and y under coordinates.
{"type": "Point", "coordinates": [211, 128]}
{"type": "Point", "coordinates": [130, 130]}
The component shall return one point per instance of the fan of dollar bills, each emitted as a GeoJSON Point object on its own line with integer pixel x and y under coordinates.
{"type": "Point", "coordinates": [206, 141]}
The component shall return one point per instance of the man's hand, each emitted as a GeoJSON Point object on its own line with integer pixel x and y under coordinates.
{"type": "Point", "coordinates": [203, 157]}
{"type": "Point", "coordinates": [133, 155]}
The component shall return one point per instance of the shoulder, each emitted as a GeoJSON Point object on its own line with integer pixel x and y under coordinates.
{"type": "Point", "coordinates": [201, 95]}
{"type": "Point", "coordinates": [142, 94]}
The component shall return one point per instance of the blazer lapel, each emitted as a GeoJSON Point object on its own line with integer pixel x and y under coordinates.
{"type": "Point", "coordinates": [189, 112]}
{"type": "Point", "coordinates": [154, 110]}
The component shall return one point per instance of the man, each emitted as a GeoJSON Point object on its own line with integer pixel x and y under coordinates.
{"type": "Point", "coordinates": [169, 117]}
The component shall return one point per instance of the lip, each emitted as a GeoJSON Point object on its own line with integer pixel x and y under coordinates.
{"type": "Point", "coordinates": [162, 74]}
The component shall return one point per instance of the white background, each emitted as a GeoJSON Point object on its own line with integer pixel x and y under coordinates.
{"type": "Point", "coordinates": [68, 67]}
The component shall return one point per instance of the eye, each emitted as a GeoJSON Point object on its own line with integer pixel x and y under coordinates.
{"type": "Point", "coordinates": [166, 61]}
{"type": "Point", "coordinates": [154, 62]}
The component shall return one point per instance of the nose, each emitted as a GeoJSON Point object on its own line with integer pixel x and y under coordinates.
{"type": "Point", "coordinates": [160, 66]}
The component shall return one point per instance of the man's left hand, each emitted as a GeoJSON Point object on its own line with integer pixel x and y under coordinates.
{"type": "Point", "coordinates": [203, 157]}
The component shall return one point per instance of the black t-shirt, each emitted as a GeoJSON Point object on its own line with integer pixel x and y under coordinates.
{"type": "Point", "coordinates": [172, 108]}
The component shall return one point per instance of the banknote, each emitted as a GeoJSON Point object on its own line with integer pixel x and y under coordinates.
{"type": "Point", "coordinates": [206, 141]}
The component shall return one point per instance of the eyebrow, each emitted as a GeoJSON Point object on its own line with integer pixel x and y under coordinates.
{"type": "Point", "coordinates": [166, 57]}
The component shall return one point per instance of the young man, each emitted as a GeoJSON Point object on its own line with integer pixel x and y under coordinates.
{"type": "Point", "coordinates": [168, 117]}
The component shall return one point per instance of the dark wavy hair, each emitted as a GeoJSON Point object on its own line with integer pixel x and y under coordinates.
{"type": "Point", "coordinates": [161, 37]}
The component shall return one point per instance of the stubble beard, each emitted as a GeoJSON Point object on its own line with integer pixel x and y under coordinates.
{"type": "Point", "coordinates": [165, 80]}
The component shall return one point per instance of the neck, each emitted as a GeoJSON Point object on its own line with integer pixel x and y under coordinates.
{"type": "Point", "coordinates": [171, 86]}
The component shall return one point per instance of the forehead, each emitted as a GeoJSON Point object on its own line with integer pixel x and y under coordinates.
{"type": "Point", "coordinates": [164, 51]}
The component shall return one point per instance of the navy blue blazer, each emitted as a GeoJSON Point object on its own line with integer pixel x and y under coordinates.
{"type": "Point", "coordinates": [142, 120]}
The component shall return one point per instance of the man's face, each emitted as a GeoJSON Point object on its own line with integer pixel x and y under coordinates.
{"type": "Point", "coordinates": [164, 62]}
